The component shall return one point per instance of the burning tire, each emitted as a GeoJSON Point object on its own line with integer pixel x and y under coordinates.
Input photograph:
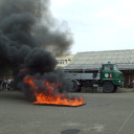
{"type": "Point", "coordinates": [108, 87]}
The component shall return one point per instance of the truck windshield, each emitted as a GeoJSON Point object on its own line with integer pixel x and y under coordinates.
{"type": "Point", "coordinates": [115, 67]}
{"type": "Point", "coordinates": [108, 67]}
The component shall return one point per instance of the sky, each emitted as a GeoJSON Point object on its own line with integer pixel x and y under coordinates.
{"type": "Point", "coordinates": [97, 25]}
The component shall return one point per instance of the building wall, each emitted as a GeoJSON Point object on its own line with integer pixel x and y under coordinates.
{"type": "Point", "coordinates": [64, 60]}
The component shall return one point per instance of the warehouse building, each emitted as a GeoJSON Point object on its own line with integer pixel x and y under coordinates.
{"type": "Point", "coordinates": [93, 60]}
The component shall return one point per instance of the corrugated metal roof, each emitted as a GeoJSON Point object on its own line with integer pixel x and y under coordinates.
{"type": "Point", "coordinates": [94, 59]}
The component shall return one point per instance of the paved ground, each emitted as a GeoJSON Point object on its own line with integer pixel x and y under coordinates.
{"type": "Point", "coordinates": [103, 114]}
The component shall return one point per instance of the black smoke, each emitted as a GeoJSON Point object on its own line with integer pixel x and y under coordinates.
{"type": "Point", "coordinates": [30, 38]}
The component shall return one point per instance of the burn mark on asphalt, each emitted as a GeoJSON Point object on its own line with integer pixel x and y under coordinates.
{"type": "Point", "coordinates": [70, 131]}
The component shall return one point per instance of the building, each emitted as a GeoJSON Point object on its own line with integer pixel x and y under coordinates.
{"type": "Point", "coordinates": [64, 60]}
{"type": "Point", "coordinates": [93, 60]}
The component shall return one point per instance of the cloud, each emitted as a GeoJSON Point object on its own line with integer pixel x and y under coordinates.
{"type": "Point", "coordinates": [98, 24]}
{"type": "Point", "coordinates": [122, 13]}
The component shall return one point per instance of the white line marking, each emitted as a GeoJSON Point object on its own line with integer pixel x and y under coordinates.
{"type": "Point", "coordinates": [125, 122]}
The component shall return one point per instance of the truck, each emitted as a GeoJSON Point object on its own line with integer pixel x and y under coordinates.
{"type": "Point", "coordinates": [107, 76]}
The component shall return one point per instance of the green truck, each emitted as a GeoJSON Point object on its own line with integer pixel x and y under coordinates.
{"type": "Point", "coordinates": [108, 76]}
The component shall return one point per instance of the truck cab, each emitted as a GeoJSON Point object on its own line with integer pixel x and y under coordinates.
{"type": "Point", "coordinates": [111, 77]}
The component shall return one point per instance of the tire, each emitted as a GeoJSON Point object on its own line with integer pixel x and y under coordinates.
{"type": "Point", "coordinates": [108, 87]}
{"type": "Point", "coordinates": [76, 88]}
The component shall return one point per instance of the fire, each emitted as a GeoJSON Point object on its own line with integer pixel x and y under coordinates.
{"type": "Point", "coordinates": [22, 70]}
{"type": "Point", "coordinates": [49, 97]}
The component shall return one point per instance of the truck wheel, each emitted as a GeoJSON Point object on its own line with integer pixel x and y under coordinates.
{"type": "Point", "coordinates": [76, 88]}
{"type": "Point", "coordinates": [108, 87]}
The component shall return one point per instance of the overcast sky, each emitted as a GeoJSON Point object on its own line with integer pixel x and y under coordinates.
{"type": "Point", "coordinates": [97, 24]}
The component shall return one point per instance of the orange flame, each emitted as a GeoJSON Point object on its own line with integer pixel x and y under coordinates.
{"type": "Point", "coordinates": [22, 70]}
{"type": "Point", "coordinates": [49, 97]}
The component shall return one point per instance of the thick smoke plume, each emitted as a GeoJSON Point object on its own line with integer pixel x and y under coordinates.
{"type": "Point", "coordinates": [27, 30]}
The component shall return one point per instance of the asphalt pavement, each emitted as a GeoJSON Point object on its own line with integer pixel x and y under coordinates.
{"type": "Point", "coordinates": [103, 114]}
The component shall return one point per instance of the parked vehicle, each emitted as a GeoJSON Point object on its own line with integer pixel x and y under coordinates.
{"type": "Point", "coordinates": [108, 77]}
{"type": "Point", "coordinates": [131, 84]}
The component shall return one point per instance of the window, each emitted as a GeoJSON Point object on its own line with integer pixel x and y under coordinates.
{"type": "Point", "coordinates": [61, 62]}
{"type": "Point", "coordinates": [107, 67]}
{"type": "Point", "coordinates": [115, 67]}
